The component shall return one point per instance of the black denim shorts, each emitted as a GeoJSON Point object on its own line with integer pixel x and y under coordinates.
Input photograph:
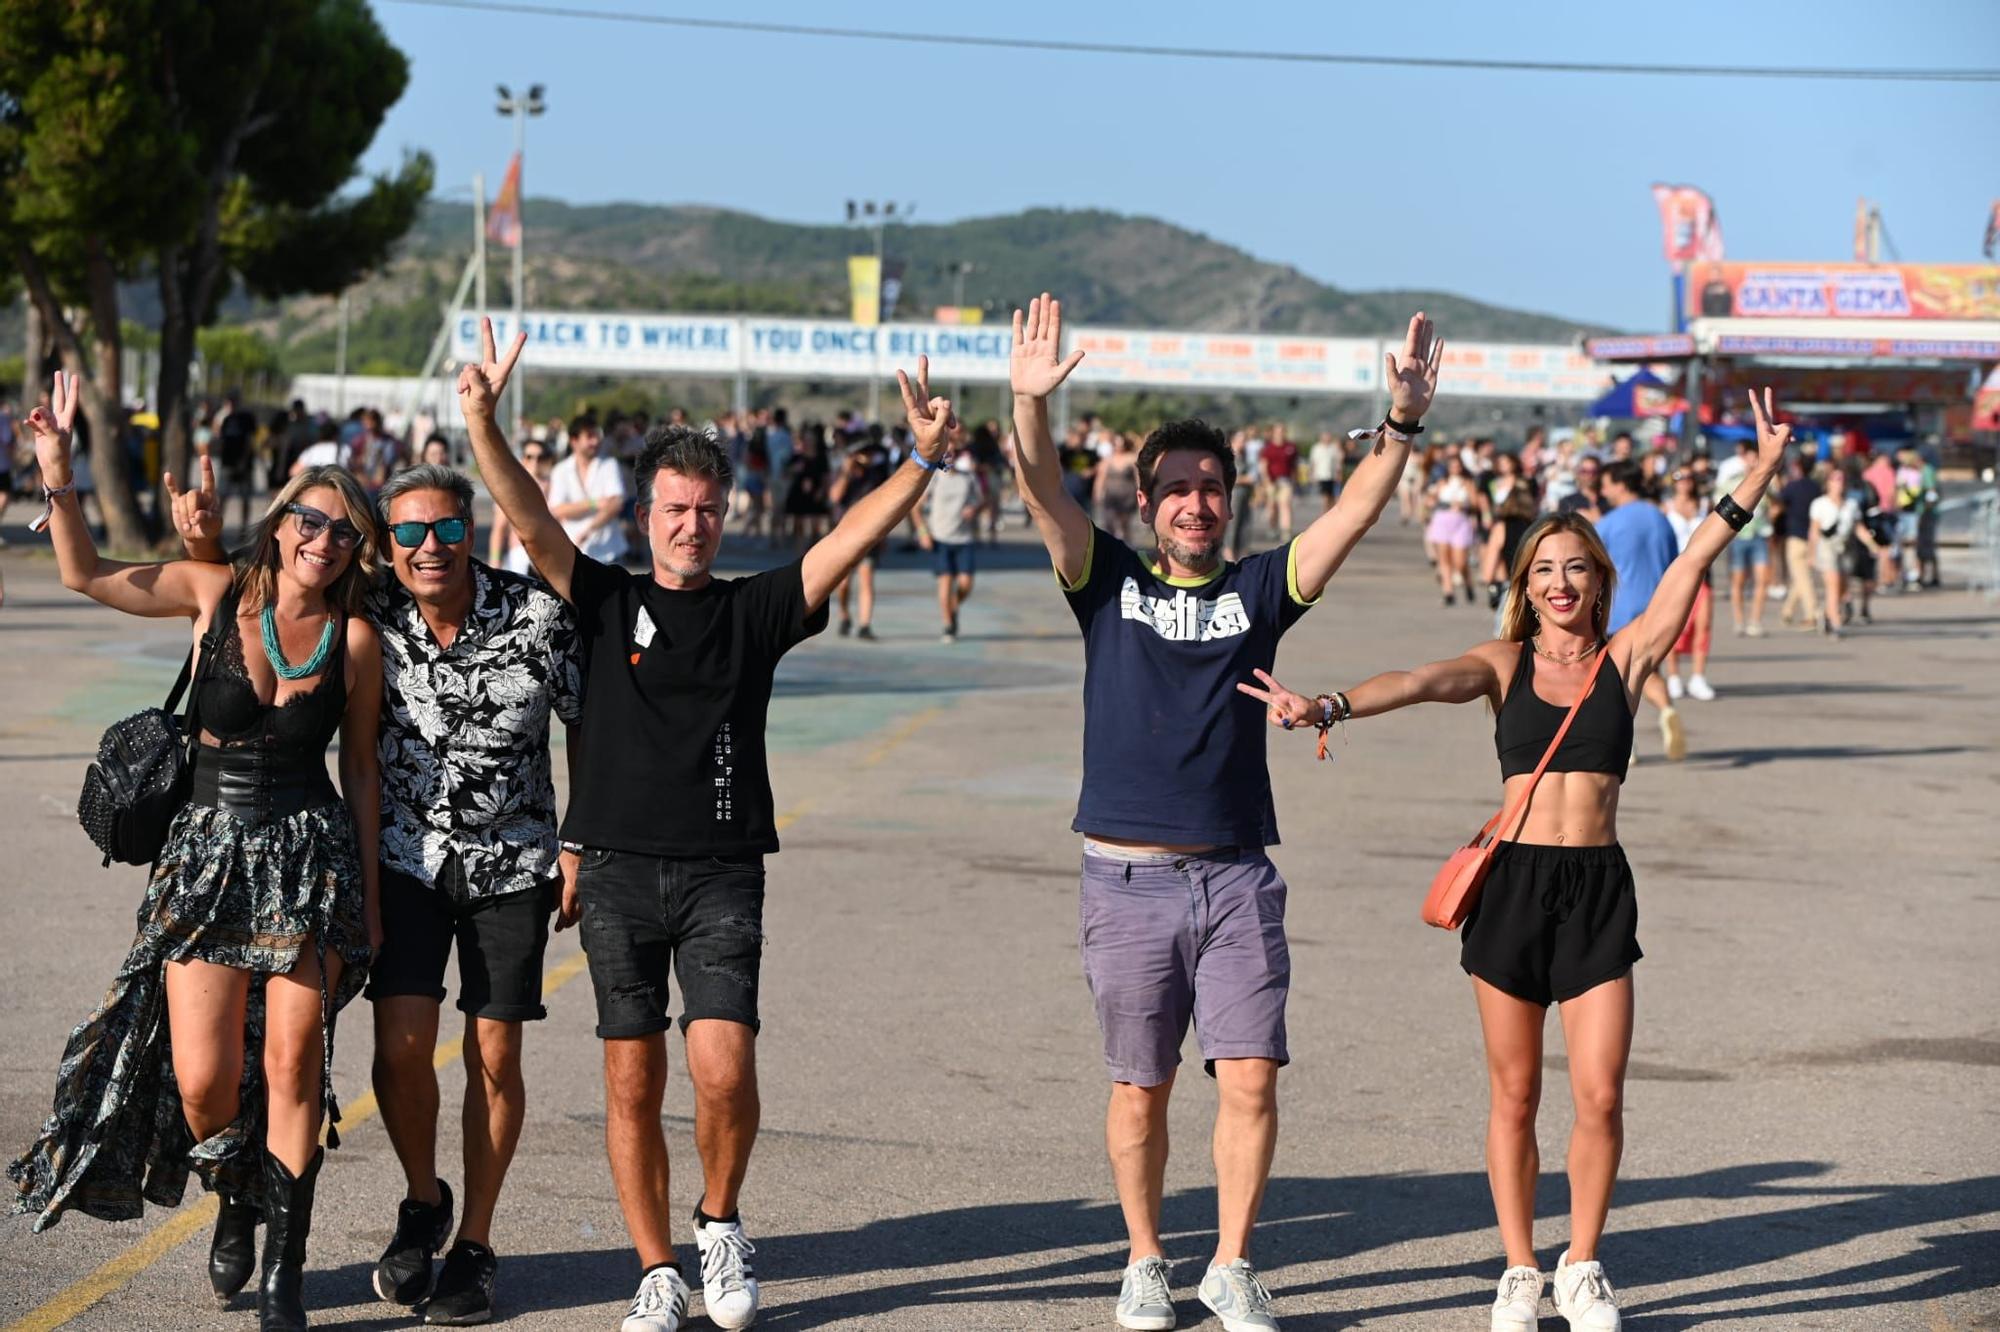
{"type": "Point", "coordinates": [702, 915]}
{"type": "Point", "coordinates": [501, 944]}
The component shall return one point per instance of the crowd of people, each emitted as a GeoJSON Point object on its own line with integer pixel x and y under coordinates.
{"type": "Point", "coordinates": [279, 896]}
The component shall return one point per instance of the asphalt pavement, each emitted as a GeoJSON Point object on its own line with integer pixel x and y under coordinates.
{"type": "Point", "coordinates": [1813, 1115]}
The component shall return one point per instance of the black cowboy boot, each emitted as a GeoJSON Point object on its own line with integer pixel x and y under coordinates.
{"type": "Point", "coordinates": [288, 1206]}
{"type": "Point", "coordinates": [232, 1254]}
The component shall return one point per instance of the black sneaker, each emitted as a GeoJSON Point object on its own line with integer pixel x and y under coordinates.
{"type": "Point", "coordinates": [865, 632]}
{"type": "Point", "coordinates": [403, 1274]}
{"type": "Point", "coordinates": [464, 1294]}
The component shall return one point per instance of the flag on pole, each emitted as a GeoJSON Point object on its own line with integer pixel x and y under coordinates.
{"type": "Point", "coordinates": [503, 223]}
{"type": "Point", "coordinates": [1993, 229]}
{"type": "Point", "coordinates": [1861, 230]}
{"type": "Point", "coordinates": [1688, 225]}
{"type": "Point", "coordinates": [864, 276]}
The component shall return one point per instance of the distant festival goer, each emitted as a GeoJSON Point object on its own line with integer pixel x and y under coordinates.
{"type": "Point", "coordinates": [261, 912]}
{"type": "Point", "coordinates": [1557, 919]}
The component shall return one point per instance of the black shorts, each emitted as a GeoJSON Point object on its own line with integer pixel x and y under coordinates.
{"type": "Point", "coordinates": [501, 943]}
{"type": "Point", "coordinates": [703, 916]}
{"type": "Point", "coordinates": [1327, 488]}
{"type": "Point", "coordinates": [1553, 921]}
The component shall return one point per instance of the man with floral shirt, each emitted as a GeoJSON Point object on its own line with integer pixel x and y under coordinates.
{"type": "Point", "coordinates": [475, 660]}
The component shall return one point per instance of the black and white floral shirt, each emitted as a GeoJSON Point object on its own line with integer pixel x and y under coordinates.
{"type": "Point", "coordinates": [465, 732]}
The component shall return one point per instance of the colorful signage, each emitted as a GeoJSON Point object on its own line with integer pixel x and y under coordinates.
{"type": "Point", "coordinates": [1119, 356]}
{"type": "Point", "coordinates": [1844, 291]}
{"type": "Point", "coordinates": [1688, 224]}
{"type": "Point", "coordinates": [1516, 370]}
{"type": "Point", "coordinates": [1656, 347]}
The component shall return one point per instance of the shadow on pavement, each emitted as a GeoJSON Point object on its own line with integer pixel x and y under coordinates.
{"type": "Point", "coordinates": [1067, 1251]}
{"type": "Point", "coordinates": [1745, 758]}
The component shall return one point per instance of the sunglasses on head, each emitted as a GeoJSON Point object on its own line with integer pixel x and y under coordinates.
{"type": "Point", "coordinates": [312, 522]}
{"type": "Point", "coordinates": [451, 531]}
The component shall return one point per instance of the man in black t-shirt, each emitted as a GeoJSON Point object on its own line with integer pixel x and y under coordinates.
{"type": "Point", "coordinates": [673, 809]}
{"type": "Point", "coordinates": [1183, 914]}
{"type": "Point", "coordinates": [236, 445]}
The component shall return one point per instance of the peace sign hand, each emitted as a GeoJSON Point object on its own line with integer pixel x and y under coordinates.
{"type": "Point", "coordinates": [197, 515]}
{"type": "Point", "coordinates": [51, 427]}
{"type": "Point", "coordinates": [1038, 364]}
{"type": "Point", "coordinates": [1413, 379]}
{"type": "Point", "coordinates": [1283, 708]}
{"type": "Point", "coordinates": [1772, 438]}
{"type": "Point", "coordinates": [480, 386]}
{"type": "Point", "coordinates": [931, 419]}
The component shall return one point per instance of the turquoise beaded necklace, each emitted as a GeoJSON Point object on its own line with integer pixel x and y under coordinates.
{"type": "Point", "coordinates": [274, 651]}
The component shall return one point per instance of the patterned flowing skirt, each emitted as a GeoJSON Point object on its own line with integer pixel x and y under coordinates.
{"type": "Point", "coordinates": [252, 898]}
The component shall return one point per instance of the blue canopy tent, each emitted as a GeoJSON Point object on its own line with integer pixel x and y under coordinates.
{"type": "Point", "coordinates": [1619, 403]}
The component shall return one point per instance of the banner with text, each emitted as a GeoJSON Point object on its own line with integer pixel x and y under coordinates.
{"type": "Point", "coordinates": [1845, 291]}
{"type": "Point", "coordinates": [830, 349]}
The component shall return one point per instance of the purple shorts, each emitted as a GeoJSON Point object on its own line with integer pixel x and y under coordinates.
{"type": "Point", "coordinates": [1201, 938]}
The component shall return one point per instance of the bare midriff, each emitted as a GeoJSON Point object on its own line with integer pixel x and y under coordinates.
{"type": "Point", "coordinates": [1163, 848]}
{"type": "Point", "coordinates": [1567, 809]}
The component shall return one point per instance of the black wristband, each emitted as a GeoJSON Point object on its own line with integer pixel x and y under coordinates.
{"type": "Point", "coordinates": [1732, 513]}
{"type": "Point", "coordinates": [1390, 422]}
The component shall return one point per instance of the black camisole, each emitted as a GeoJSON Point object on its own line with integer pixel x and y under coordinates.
{"type": "Point", "coordinates": [295, 732]}
{"type": "Point", "coordinates": [1599, 740]}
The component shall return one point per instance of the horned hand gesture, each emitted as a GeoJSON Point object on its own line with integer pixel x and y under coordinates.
{"type": "Point", "coordinates": [480, 386]}
{"type": "Point", "coordinates": [1038, 363]}
{"type": "Point", "coordinates": [931, 419]}
{"type": "Point", "coordinates": [1413, 377]}
{"type": "Point", "coordinates": [51, 426]}
{"type": "Point", "coordinates": [1771, 437]}
{"type": "Point", "coordinates": [197, 514]}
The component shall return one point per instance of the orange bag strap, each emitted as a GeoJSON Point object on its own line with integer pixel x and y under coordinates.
{"type": "Point", "coordinates": [1507, 816]}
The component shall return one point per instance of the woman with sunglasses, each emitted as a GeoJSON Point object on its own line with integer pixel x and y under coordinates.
{"type": "Point", "coordinates": [503, 548]}
{"type": "Point", "coordinates": [213, 1048]}
{"type": "Point", "coordinates": [1557, 920]}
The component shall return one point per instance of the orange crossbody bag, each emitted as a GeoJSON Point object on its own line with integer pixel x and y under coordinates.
{"type": "Point", "coordinates": [1455, 890]}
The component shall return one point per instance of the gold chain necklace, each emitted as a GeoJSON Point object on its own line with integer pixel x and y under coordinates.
{"type": "Point", "coordinates": [1540, 651]}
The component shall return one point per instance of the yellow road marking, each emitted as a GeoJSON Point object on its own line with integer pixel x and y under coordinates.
{"type": "Point", "coordinates": [119, 1270]}
{"type": "Point", "coordinates": [190, 1221]}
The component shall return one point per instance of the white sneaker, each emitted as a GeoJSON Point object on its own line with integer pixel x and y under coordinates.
{"type": "Point", "coordinates": [1673, 735]}
{"type": "Point", "coordinates": [1584, 1296]}
{"type": "Point", "coordinates": [1234, 1294]}
{"type": "Point", "coordinates": [1674, 690]}
{"type": "Point", "coordinates": [728, 1285]}
{"type": "Point", "coordinates": [661, 1304]}
{"type": "Point", "coordinates": [1700, 690]}
{"type": "Point", "coordinates": [1755, 631]}
{"type": "Point", "coordinates": [1146, 1299]}
{"type": "Point", "coordinates": [1518, 1306]}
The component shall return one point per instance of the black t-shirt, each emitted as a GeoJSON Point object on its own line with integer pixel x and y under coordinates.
{"type": "Point", "coordinates": [236, 434]}
{"type": "Point", "coordinates": [676, 688]}
{"type": "Point", "coordinates": [1797, 497]}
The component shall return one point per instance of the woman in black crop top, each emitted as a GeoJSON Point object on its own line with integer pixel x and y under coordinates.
{"type": "Point", "coordinates": [1557, 919]}
{"type": "Point", "coordinates": [259, 917]}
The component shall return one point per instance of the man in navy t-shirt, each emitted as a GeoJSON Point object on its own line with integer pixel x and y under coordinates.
{"type": "Point", "coordinates": [1182, 911]}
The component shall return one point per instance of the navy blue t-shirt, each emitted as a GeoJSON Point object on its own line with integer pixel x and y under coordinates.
{"type": "Point", "coordinates": [1172, 753]}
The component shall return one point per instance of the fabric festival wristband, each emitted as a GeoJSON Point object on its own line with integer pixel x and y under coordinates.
{"type": "Point", "coordinates": [49, 498]}
{"type": "Point", "coordinates": [943, 464]}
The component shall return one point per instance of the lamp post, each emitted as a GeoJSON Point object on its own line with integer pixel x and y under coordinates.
{"type": "Point", "coordinates": [520, 108]}
{"type": "Point", "coordinates": [876, 217]}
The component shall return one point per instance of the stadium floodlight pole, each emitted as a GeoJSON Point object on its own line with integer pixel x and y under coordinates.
{"type": "Point", "coordinates": [520, 108]}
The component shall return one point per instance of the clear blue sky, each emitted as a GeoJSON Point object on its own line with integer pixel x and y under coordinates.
{"type": "Point", "coordinates": [1528, 190]}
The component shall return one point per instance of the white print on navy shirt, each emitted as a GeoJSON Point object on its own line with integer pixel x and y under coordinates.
{"type": "Point", "coordinates": [642, 630]}
{"type": "Point", "coordinates": [725, 775]}
{"type": "Point", "coordinates": [1182, 618]}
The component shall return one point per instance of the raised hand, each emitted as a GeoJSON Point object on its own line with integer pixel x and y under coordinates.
{"type": "Point", "coordinates": [931, 419]}
{"type": "Point", "coordinates": [1282, 707]}
{"type": "Point", "coordinates": [1413, 377]}
{"type": "Point", "coordinates": [480, 386]}
{"type": "Point", "coordinates": [1772, 438]}
{"type": "Point", "coordinates": [1038, 364]}
{"type": "Point", "coordinates": [197, 513]}
{"type": "Point", "coordinates": [51, 427]}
